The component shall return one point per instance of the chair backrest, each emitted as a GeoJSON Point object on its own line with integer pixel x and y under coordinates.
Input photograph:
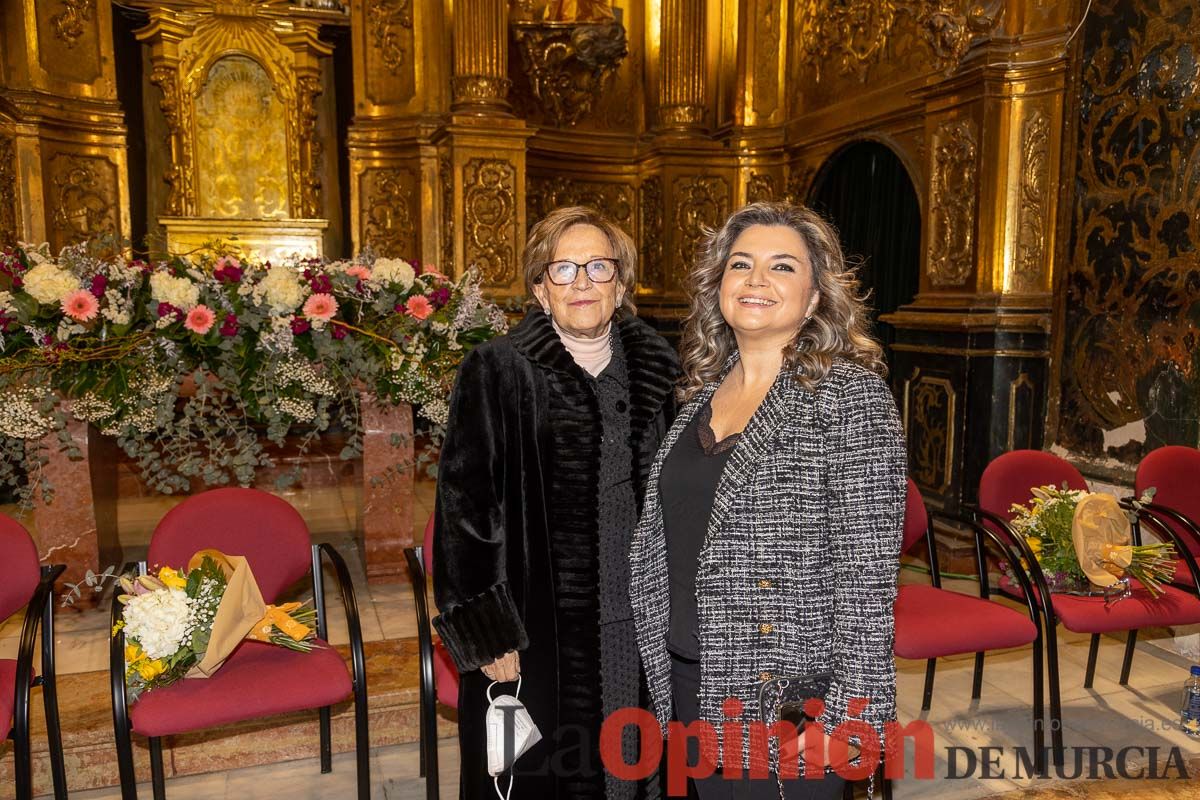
{"type": "Point", "coordinates": [20, 569]}
{"type": "Point", "coordinates": [1174, 472]}
{"type": "Point", "coordinates": [239, 522]}
{"type": "Point", "coordinates": [1009, 478]}
{"type": "Point", "coordinates": [916, 518]}
{"type": "Point", "coordinates": [427, 547]}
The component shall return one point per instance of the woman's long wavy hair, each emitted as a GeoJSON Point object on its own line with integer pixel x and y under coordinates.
{"type": "Point", "coordinates": [836, 329]}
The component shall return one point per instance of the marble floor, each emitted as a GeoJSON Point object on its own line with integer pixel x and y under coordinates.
{"type": "Point", "coordinates": [1144, 714]}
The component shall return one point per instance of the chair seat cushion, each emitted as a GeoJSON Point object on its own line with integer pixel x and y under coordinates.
{"type": "Point", "coordinates": [445, 676]}
{"type": "Point", "coordinates": [8, 690]}
{"type": "Point", "coordinates": [1183, 575]}
{"type": "Point", "coordinates": [936, 622]}
{"type": "Point", "coordinates": [1091, 615]}
{"type": "Point", "coordinates": [258, 680]}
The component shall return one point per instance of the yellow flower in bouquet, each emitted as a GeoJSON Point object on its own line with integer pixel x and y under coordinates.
{"type": "Point", "coordinates": [1035, 544]}
{"type": "Point", "coordinates": [149, 670]}
{"type": "Point", "coordinates": [133, 654]}
{"type": "Point", "coordinates": [172, 579]}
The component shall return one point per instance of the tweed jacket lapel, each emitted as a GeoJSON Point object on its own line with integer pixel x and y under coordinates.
{"type": "Point", "coordinates": [774, 410]}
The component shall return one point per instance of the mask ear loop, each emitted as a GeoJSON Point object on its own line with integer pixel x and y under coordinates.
{"type": "Point", "coordinates": [496, 780]}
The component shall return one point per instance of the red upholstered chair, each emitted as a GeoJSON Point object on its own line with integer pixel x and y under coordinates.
{"type": "Point", "coordinates": [1008, 480]}
{"type": "Point", "coordinates": [439, 677]}
{"type": "Point", "coordinates": [25, 583]}
{"type": "Point", "coordinates": [932, 622]}
{"type": "Point", "coordinates": [258, 680]}
{"type": "Point", "coordinates": [1174, 472]}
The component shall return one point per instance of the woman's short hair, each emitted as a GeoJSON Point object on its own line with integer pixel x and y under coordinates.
{"type": "Point", "coordinates": [838, 327]}
{"type": "Point", "coordinates": [543, 242]}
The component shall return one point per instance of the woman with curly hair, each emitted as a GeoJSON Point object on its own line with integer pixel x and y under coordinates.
{"type": "Point", "coordinates": [769, 541]}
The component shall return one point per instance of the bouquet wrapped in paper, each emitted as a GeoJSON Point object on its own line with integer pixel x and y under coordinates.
{"type": "Point", "coordinates": [186, 623]}
{"type": "Point", "coordinates": [1082, 542]}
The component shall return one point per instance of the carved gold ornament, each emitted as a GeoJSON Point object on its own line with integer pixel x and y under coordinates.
{"type": "Point", "coordinates": [952, 192]}
{"type": "Point", "coordinates": [69, 22]}
{"type": "Point", "coordinates": [854, 34]}
{"type": "Point", "coordinates": [701, 201]}
{"type": "Point", "coordinates": [1031, 211]}
{"type": "Point", "coordinates": [569, 64]}
{"type": "Point", "coordinates": [650, 204]}
{"type": "Point", "coordinates": [383, 17]}
{"type": "Point", "coordinates": [10, 212]}
{"type": "Point", "coordinates": [489, 219]}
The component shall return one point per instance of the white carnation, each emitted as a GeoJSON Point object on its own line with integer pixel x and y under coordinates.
{"type": "Point", "coordinates": [393, 270]}
{"type": "Point", "coordinates": [48, 284]}
{"type": "Point", "coordinates": [179, 292]}
{"type": "Point", "coordinates": [281, 289]}
{"type": "Point", "coordinates": [159, 620]}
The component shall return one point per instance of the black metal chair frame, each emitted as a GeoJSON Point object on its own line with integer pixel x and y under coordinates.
{"type": "Point", "coordinates": [39, 611]}
{"type": "Point", "coordinates": [122, 726]}
{"type": "Point", "coordinates": [982, 536]}
{"type": "Point", "coordinates": [428, 691]}
{"type": "Point", "coordinates": [1046, 602]}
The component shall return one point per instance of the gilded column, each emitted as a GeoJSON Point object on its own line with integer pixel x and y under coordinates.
{"type": "Point", "coordinates": [480, 82]}
{"type": "Point", "coordinates": [62, 135]}
{"type": "Point", "coordinates": [681, 91]}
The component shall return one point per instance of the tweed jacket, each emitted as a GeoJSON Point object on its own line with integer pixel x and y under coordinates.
{"type": "Point", "coordinates": [798, 569]}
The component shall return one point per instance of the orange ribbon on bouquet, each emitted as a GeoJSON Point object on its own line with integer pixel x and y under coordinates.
{"type": "Point", "coordinates": [279, 617]}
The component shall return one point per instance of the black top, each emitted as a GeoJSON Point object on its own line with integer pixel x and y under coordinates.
{"type": "Point", "coordinates": [687, 486]}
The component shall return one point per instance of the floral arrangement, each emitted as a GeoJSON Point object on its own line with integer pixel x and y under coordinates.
{"type": "Point", "coordinates": [184, 623]}
{"type": "Point", "coordinates": [190, 362]}
{"type": "Point", "coordinates": [1048, 526]}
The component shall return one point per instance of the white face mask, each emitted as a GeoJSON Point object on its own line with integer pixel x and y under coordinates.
{"type": "Point", "coordinates": [510, 733]}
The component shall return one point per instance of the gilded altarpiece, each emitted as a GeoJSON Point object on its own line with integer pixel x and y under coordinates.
{"type": "Point", "coordinates": [230, 75]}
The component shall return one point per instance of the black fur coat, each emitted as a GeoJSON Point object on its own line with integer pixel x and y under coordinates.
{"type": "Point", "coordinates": [516, 543]}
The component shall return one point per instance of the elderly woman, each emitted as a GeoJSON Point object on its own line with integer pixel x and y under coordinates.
{"type": "Point", "coordinates": [551, 433]}
{"type": "Point", "coordinates": [769, 542]}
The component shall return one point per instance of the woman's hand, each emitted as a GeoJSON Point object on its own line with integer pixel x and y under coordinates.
{"type": "Point", "coordinates": [506, 668]}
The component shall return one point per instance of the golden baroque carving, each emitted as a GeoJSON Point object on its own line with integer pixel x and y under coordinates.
{"type": "Point", "coordinates": [953, 204]}
{"type": "Point", "coordinates": [181, 196]}
{"type": "Point", "coordinates": [701, 201]}
{"type": "Point", "coordinates": [83, 197]}
{"type": "Point", "coordinates": [489, 219]}
{"type": "Point", "coordinates": [446, 179]}
{"type": "Point", "coordinates": [382, 18]}
{"type": "Point", "coordinates": [306, 158]}
{"type": "Point", "coordinates": [69, 23]}
{"type": "Point", "coordinates": [1031, 229]}
{"type": "Point", "coordinates": [799, 183]}
{"type": "Point", "coordinates": [10, 212]}
{"type": "Point", "coordinates": [929, 423]}
{"type": "Point", "coordinates": [569, 65]}
{"type": "Point", "coordinates": [390, 227]}
{"type": "Point", "coordinates": [760, 188]}
{"type": "Point", "coordinates": [650, 203]}
{"type": "Point", "coordinates": [484, 89]}
{"type": "Point", "coordinates": [854, 34]}
{"type": "Point", "coordinates": [766, 60]}
{"type": "Point", "coordinates": [614, 200]}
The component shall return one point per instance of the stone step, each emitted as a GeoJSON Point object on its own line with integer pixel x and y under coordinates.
{"type": "Point", "coordinates": [91, 756]}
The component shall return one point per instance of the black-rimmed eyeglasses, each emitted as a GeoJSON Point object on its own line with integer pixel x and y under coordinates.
{"type": "Point", "coordinates": [599, 270]}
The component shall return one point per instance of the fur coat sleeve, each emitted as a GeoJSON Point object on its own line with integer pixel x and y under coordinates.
{"type": "Point", "coordinates": [479, 620]}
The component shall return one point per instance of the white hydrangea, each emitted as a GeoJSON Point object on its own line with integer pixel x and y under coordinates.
{"type": "Point", "coordinates": [281, 290]}
{"type": "Point", "coordinates": [393, 270]}
{"type": "Point", "coordinates": [159, 620]}
{"type": "Point", "coordinates": [179, 292]}
{"type": "Point", "coordinates": [49, 284]}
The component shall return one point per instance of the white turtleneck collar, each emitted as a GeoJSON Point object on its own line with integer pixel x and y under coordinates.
{"type": "Point", "coordinates": [592, 355]}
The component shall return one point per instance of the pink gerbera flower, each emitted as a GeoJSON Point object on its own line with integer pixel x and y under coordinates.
{"type": "Point", "coordinates": [359, 271]}
{"type": "Point", "coordinates": [418, 306]}
{"type": "Point", "coordinates": [200, 320]}
{"type": "Point", "coordinates": [320, 306]}
{"type": "Point", "coordinates": [81, 305]}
